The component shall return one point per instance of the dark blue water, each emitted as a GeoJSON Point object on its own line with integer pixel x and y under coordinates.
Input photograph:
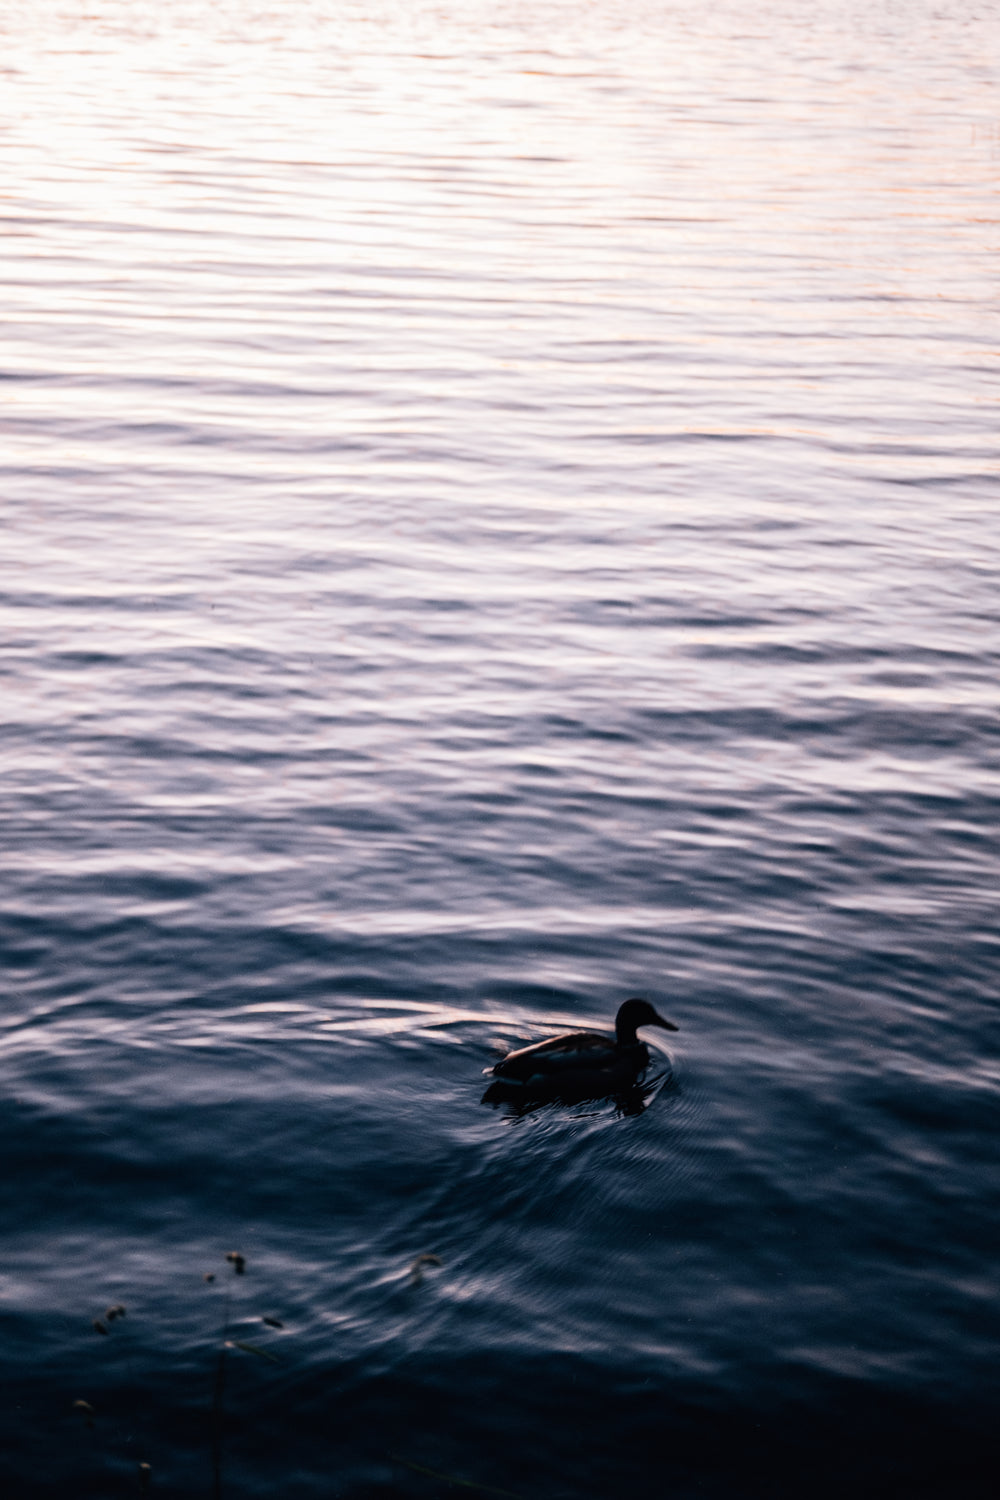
{"type": "Point", "coordinates": [499, 515]}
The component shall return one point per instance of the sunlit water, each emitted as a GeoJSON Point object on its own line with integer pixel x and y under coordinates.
{"type": "Point", "coordinates": [499, 514]}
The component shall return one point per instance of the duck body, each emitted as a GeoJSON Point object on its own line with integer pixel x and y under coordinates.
{"type": "Point", "coordinates": [581, 1064]}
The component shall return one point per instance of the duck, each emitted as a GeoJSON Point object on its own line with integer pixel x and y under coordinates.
{"type": "Point", "coordinates": [580, 1064]}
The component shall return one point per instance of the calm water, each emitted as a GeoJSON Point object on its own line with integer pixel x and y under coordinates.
{"type": "Point", "coordinates": [499, 514]}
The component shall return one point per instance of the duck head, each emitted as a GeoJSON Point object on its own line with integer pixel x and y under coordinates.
{"type": "Point", "coordinates": [632, 1015]}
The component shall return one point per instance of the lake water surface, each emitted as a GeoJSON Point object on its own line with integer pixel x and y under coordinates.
{"type": "Point", "coordinates": [499, 514]}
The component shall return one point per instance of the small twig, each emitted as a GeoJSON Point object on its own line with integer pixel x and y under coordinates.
{"type": "Point", "coordinates": [255, 1349]}
{"type": "Point", "coordinates": [417, 1268]}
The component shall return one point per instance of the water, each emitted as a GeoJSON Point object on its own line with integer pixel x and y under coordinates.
{"type": "Point", "coordinates": [499, 515]}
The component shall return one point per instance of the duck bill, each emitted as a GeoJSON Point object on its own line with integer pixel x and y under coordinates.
{"type": "Point", "coordinates": [667, 1025]}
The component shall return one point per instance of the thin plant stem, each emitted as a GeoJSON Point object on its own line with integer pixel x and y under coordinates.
{"type": "Point", "coordinates": [218, 1393]}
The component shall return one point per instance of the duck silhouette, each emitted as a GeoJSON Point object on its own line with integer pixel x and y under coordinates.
{"type": "Point", "coordinates": [579, 1065]}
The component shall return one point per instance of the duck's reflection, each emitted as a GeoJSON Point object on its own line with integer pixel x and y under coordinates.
{"type": "Point", "coordinates": [518, 1102]}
